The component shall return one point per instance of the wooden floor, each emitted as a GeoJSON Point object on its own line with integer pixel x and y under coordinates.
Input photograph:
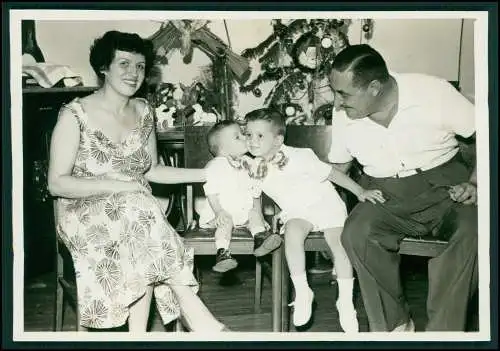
{"type": "Point", "coordinates": [230, 298]}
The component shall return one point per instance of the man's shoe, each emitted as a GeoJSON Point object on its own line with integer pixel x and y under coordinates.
{"type": "Point", "coordinates": [407, 327]}
{"type": "Point", "coordinates": [224, 261]}
{"type": "Point", "coordinates": [266, 242]}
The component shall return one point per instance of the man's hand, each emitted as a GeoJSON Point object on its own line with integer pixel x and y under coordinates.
{"type": "Point", "coordinates": [465, 193]}
{"type": "Point", "coordinates": [373, 196]}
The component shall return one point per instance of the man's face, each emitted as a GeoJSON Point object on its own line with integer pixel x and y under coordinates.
{"type": "Point", "coordinates": [354, 100]}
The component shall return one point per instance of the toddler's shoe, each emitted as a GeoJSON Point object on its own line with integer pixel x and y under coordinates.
{"type": "Point", "coordinates": [302, 308]}
{"type": "Point", "coordinates": [224, 261]}
{"type": "Point", "coordinates": [266, 242]}
{"type": "Point", "coordinates": [348, 318]}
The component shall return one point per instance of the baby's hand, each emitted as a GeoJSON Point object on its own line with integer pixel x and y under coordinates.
{"type": "Point", "coordinates": [372, 196]}
{"type": "Point", "coordinates": [222, 219]}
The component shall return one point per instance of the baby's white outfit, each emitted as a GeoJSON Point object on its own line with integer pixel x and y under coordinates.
{"type": "Point", "coordinates": [235, 188]}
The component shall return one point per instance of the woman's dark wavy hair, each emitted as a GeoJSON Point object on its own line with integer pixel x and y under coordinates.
{"type": "Point", "coordinates": [270, 115]}
{"type": "Point", "coordinates": [365, 63]}
{"type": "Point", "coordinates": [102, 51]}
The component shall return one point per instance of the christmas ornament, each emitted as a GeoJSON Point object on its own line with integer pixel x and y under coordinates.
{"type": "Point", "coordinates": [326, 42]}
{"type": "Point", "coordinates": [290, 111]}
{"type": "Point", "coordinates": [257, 92]}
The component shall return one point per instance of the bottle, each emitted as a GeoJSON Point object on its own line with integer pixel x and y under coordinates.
{"type": "Point", "coordinates": [29, 44]}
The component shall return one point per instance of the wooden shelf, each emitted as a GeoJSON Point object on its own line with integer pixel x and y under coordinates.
{"type": "Point", "coordinates": [79, 89]}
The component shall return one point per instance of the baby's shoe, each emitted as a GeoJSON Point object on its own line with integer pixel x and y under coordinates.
{"type": "Point", "coordinates": [266, 242]}
{"type": "Point", "coordinates": [302, 307]}
{"type": "Point", "coordinates": [224, 261]}
{"type": "Point", "coordinates": [348, 317]}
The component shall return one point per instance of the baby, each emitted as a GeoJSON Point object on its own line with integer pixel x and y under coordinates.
{"type": "Point", "coordinates": [300, 184]}
{"type": "Point", "coordinates": [232, 198]}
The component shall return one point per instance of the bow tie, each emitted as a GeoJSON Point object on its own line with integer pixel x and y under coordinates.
{"type": "Point", "coordinates": [258, 167]}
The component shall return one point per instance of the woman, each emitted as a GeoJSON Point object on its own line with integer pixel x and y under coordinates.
{"type": "Point", "coordinates": [103, 154]}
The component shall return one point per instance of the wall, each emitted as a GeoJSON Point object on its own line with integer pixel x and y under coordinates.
{"type": "Point", "coordinates": [467, 60]}
{"type": "Point", "coordinates": [424, 45]}
{"type": "Point", "coordinates": [68, 42]}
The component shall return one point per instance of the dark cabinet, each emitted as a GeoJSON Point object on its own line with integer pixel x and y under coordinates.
{"type": "Point", "coordinates": [40, 110]}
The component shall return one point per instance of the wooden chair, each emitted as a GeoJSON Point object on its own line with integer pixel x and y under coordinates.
{"type": "Point", "coordinates": [318, 138]}
{"type": "Point", "coordinates": [196, 155]}
{"type": "Point", "coordinates": [65, 282]}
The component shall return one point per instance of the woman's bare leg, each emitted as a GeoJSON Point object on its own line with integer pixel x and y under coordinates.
{"type": "Point", "coordinates": [193, 310]}
{"type": "Point", "coordinates": [139, 312]}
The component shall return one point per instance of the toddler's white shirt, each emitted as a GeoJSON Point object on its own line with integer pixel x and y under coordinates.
{"type": "Point", "coordinates": [302, 189]}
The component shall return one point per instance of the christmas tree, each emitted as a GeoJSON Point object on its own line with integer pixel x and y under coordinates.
{"type": "Point", "coordinates": [297, 55]}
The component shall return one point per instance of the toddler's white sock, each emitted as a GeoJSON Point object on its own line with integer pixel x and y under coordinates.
{"type": "Point", "coordinates": [300, 283]}
{"type": "Point", "coordinates": [345, 291]}
{"type": "Point", "coordinates": [345, 305]}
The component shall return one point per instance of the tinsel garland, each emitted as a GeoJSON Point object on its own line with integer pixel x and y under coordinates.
{"type": "Point", "coordinates": [259, 50]}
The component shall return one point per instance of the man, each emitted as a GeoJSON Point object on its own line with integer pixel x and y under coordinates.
{"type": "Point", "coordinates": [401, 128]}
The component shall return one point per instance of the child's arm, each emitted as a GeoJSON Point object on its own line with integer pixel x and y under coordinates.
{"type": "Point", "coordinates": [221, 216]}
{"type": "Point", "coordinates": [338, 177]}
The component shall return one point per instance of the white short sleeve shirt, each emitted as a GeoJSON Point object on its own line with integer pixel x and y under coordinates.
{"type": "Point", "coordinates": [421, 135]}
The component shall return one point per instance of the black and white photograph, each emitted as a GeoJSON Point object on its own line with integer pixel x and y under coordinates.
{"type": "Point", "coordinates": [250, 175]}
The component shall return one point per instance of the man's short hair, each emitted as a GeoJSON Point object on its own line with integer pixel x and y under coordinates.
{"type": "Point", "coordinates": [213, 135]}
{"type": "Point", "coordinates": [364, 62]}
{"type": "Point", "coordinates": [270, 115]}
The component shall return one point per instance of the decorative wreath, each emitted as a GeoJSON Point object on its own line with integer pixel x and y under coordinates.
{"type": "Point", "coordinates": [308, 54]}
{"type": "Point", "coordinates": [311, 53]}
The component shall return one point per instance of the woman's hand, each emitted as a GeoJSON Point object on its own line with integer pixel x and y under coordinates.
{"type": "Point", "coordinates": [373, 196]}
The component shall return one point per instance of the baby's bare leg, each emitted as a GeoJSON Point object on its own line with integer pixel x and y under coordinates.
{"type": "Point", "coordinates": [256, 222]}
{"type": "Point", "coordinates": [223, 234]}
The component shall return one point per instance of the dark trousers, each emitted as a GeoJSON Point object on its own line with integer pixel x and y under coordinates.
{"type": "Point", "coordinates": [416, 205]}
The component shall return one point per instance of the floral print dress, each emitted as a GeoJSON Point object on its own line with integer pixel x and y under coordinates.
{"type": "Point", "coordinates": [120, 242]}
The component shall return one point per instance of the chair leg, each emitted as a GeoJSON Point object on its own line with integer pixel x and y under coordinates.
{"type": "Point", "coordinates": [178, 325]}
{"type": "Point", "coordinates": [197, 271]}
{"type": "Point", "coordinates": [258, 285]}
{"type": "Point", "coordinates": [285, 296]}
{"type": "Point", "coordinates": [59, 307]}
{"type": "Point", "coordinates": [78, 326]}
{"type": "Point", "coordinates": [276, 288]}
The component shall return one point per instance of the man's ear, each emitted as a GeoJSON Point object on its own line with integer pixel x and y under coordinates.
{"type": "Point", "coordinates": [374, 88]}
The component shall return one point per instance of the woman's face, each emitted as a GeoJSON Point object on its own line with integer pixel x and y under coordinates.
{"type": "Point", "coordinates": [126, 72]}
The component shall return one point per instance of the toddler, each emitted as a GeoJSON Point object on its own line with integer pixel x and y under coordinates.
{"type": "Point", "coordinates": [232, 199]}
{"type": "Point", "coordinates": [300, 184]}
